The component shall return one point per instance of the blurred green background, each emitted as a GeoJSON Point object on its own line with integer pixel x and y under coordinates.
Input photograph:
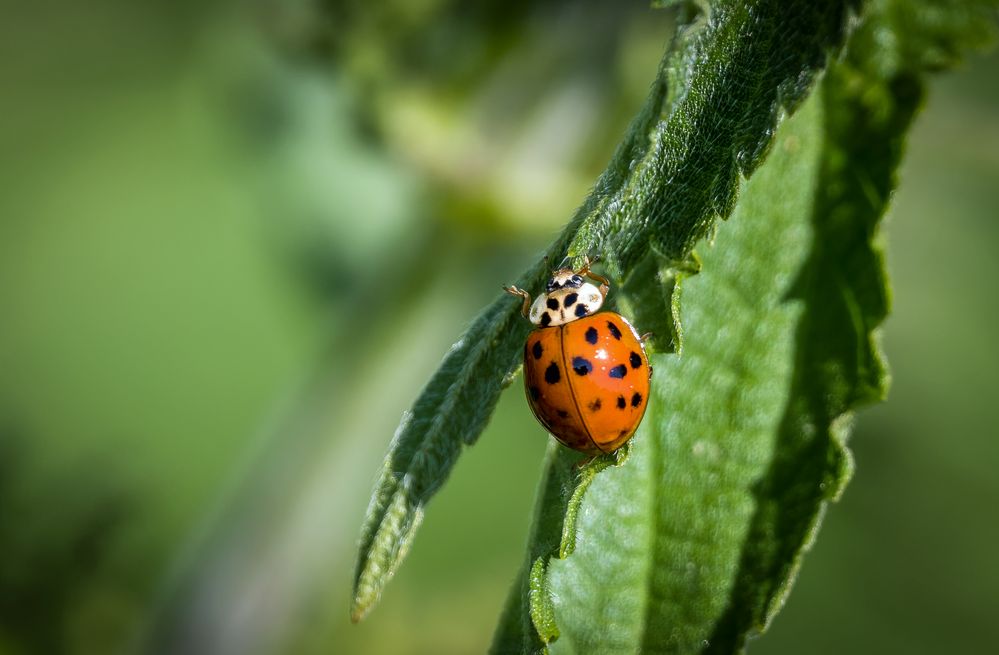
{"type": "Point", "coordinates": [235, 240]}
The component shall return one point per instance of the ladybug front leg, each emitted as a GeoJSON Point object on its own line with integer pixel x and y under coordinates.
{"type": "Point", "coordinates": [514, 291]}
{"type": "Point", "coordinates": [604, 282]}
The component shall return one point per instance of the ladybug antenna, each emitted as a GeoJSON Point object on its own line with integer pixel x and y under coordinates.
{"type": "Point", "coordinates": [562, 264]}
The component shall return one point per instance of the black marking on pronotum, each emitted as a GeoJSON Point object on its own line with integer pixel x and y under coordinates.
{"type": "Point", "coordinates": [619, 371]}
{"type": "Point", "coordinates": [552, 303]}
{"type": "Point", "coordinates": [562, 413]}
{"type": "Point", "coordinates": [571, 299]}
{"type": "Point", "coordinates": [552, 375]}
{"type": "Point", "coordinates": [615, 332]}
{"type": "Point", "coordinates": [595, 405]}
{"type": "Point", "coordinates": [581, 310]}
{"type": "Point", "coordinates": [636, 399]}
{"type": "Point", "coordinates": [621, 402]}
{"type": "Point", "coordinates": [635, 360]}
{"type": "Point", "coordinates": [581, 365]}
{"type": "Point", "coordinates": [534, 391]}
{"type": "Point", "coordinates": [545, 319]}
{"type": "Point", "coordinates": [591, 335]}
{"type": "Point", "coordinates": [536, 350]}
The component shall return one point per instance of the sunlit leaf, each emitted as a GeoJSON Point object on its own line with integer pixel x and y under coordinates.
{"type": "Point", "coordinates": [693, 544]}
{"type": "Point", "coordinates": [690, 544]}
{"type": "Point", "coordinates": [675, 172]}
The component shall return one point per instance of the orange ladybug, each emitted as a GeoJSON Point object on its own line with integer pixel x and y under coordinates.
{"type": "Point", "coordinates": [586, 374]}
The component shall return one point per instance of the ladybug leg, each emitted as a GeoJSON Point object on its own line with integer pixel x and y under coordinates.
{"type": "Point", "coordinates": [645, 337]}
{"type": "Point", "coordinates": [604, 282]}
{"type": "Point", "coordinates": [622, 454]}
{"type": "Point", "coordinates": [586, 267]}
{"type": "Point", "coordinates": [514, 291]}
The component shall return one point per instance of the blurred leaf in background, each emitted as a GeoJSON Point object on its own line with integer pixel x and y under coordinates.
{"type": "Point", "coordinates": [235, 239]}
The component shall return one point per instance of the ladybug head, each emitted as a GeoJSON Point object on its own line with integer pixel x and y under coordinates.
{"type": "Point", "coordinates": [564, 279]}
{"type": "Point", "coordinates": [567, 297]}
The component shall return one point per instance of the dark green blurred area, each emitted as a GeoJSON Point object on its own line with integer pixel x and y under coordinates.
{"type": "Point", "coordinates": [235, 241]}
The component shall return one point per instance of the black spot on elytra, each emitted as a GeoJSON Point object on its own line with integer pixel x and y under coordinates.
{"type": "Point", "coordinates": [545, 319]}
{"type": "Point", "coordinates": [571, 299]}
{"type": "Point", "coordinates": [619, 371]}
{"type": "Point", "coordinates": [595, 405]}
{"type": "Point", "coordinates": [581, 310]}
{"type": "Point", "coordinates": [635, 360]}
{"type": "Point", "coordinates": [535, 392]}
{"type": "Point", "coordinates": [552, 303]}
{"type": "Point", "coordinates": [552, 374]}
{"type": "Point", "coordinates": [581, 365]}
{"type": "Point", "coordinates": [615, 332]}
{"type": "Point", "coordinates": [621, 402]}
{"type": "Point", "coordinates": [562, 413]}
{"type": "Point", "coordinates": [636, 399]}
{"type": "Point", "coordinates": [591, 335]}
{"type": "Point", "coordinates": [536, 350]}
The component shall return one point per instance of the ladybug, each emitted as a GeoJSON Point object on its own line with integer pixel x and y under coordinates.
{"type": "Point", "coordinates": [586, 374]}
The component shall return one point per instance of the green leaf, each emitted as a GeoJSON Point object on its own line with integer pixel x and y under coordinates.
{"type": "Point", "coordinates": [663, 539]}
{"type": "Point", "coordinates": [693, 544]}
{"type": "Point", "coordinates": [709, 120]}
{"type": "Point", "coordinates": [710, 116]}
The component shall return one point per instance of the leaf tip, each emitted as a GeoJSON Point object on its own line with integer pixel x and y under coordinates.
{"type": "Point", "coordinates": [365, 598]}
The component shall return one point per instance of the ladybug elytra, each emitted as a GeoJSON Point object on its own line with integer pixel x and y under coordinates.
{"type": "Point", "coordinates": [586, 374]}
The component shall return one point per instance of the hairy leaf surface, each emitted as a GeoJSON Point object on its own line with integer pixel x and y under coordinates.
{"type": "Point", "coordinates": [743, 443]}
{"type": "Point", "coordinates": [693, 544]}
{"type": "Point", "coordinates": [710, 116]}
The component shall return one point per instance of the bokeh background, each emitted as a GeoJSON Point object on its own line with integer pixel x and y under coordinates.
{"type": "Point", "coordinates": [237, 237]}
